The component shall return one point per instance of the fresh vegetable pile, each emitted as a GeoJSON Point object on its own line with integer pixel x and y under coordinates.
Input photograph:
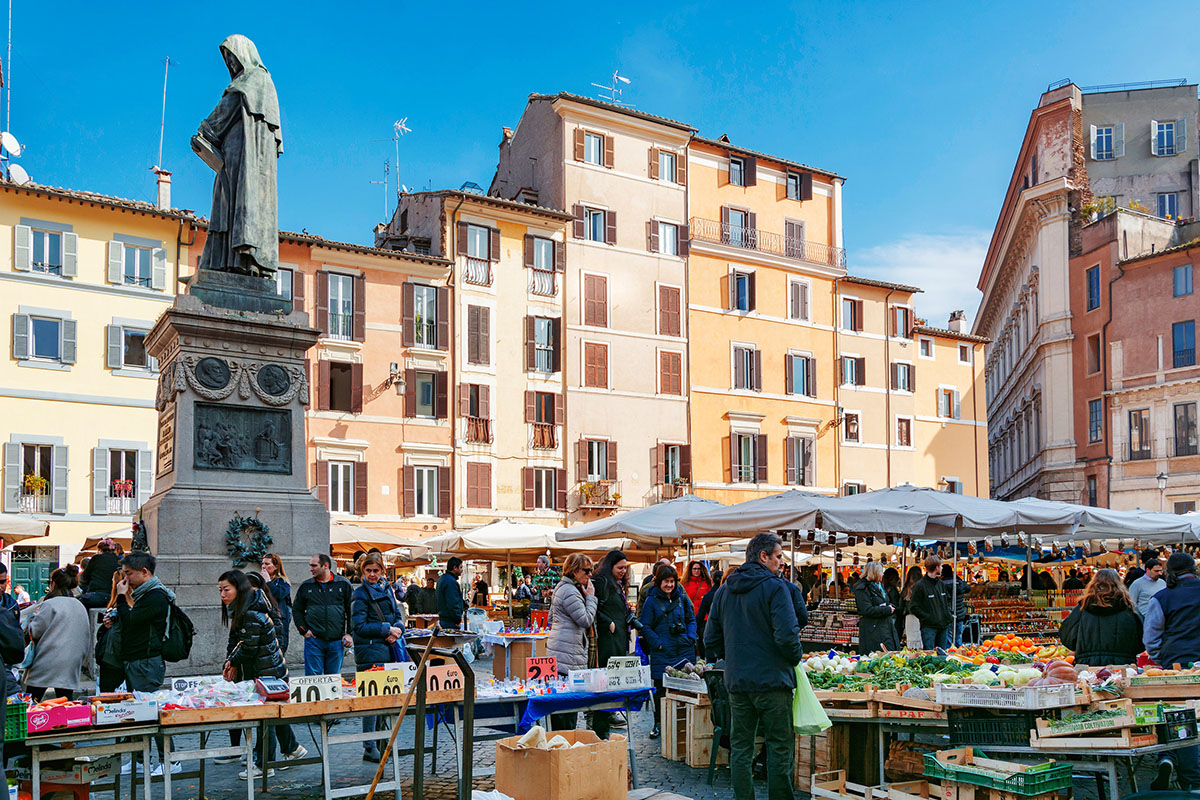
{"type": "Point", "coordinates": [691, 671]}
{"type": "Point", "coordinates": [833, 661]}
{"type": "Point", "coordinates": [1086, 716]}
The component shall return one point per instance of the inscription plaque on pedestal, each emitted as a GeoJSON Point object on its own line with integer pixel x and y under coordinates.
{"type": "Point", "coordinates": [242, 438]}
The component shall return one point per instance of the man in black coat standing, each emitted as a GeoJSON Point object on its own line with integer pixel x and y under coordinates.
{"type": "Point", "coordinates": [753, 626]}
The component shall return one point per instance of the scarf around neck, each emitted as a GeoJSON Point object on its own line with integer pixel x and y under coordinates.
{"type": "Point", "coordinates": [153, 583]}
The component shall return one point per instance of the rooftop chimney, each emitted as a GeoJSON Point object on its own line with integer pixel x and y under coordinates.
{"type": "Point", "coordinates": [506, 137]}
{"type": "Point", "coordinates": [958, 322]}
{"type": "Point", "coordinates": [164, 189]}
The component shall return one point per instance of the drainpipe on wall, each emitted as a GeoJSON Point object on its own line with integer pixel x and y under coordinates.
{"type": "Point", "coordinates": [837, 400]}
{"type": "Point", "coordinates": [887, 386]}
{"type": "Point", "coordinates": [1104, 386]}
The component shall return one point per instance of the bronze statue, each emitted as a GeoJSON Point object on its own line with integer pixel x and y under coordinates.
{"type": "Point", "coordinates": [241, 140]}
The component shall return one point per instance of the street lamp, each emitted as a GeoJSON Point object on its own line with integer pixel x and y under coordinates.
{"type": "Point", "coordinates": [1162, 489]}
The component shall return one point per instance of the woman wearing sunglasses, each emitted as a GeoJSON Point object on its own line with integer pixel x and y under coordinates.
{"type": "Point", "coordinates": [572, 613]}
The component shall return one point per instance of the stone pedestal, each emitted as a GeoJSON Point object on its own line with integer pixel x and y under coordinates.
{"type": "Point", "coordinates": [231, 443]}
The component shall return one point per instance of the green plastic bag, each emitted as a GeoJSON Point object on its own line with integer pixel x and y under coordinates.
{"type": "Point", "coordinates": [808, 718]}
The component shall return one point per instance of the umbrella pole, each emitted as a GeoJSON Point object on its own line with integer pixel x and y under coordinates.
{"type": "Point", "coordinates": [1028, 569]}
{"type": "Point", "coordinates": [954, 586]}
{"type": "Point", "coordinates": [792, 571]}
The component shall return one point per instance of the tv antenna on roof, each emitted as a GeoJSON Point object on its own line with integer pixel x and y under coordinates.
{"type": "Point", "coordinates": [612, 93]}
{"type": "Point", "coordinates": [399, 128]}
{"type": "Point", "coordinates": [385, 189]}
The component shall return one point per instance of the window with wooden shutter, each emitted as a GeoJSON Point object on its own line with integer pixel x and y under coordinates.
{"type": "Point", "coordinates": [322, 307]}
{"type": "Point", "coordinates": [611, 449]}
{"type": "Point", "coordinates": [360, 309]}
{"type": "Point", "coordinates": [669, 320]}
{"type": "Point", "coordinates": [760, 458]}
{"type": "Point", "coordinates": [652, 169]}
{"type": "Point", "coordinates": [443, 318]}
{"type": "Point", "coordinates": [408, 312]}
{"type": "Point", "coordinates": [806, 186]}
{"type": "Point", "coordinates": [791, 461]}
{"type": "Point", "coordinates": [595, 365]}
{"type": "Point", "coordinates": [579, 230]}
{"type": "Point", "coordinates": [441, 389]}
{"type": "Point", "coordinates": [479, 335]}
{"type": "Point", "coordinates": [324, 385]}
{"type": "Point", "coordinates": [610, 227]}
{"type": "Point", "coordinates": [859, 319]}
{"type": "Point", "coordinates": [608, 151]}
{"type": "Point", "coordinates": [652, 243]}
{"type": "Point", "coordinates": [758, 371]}
{"type": "Point", "coordinates": [356, 388]}
{"type": "Point", "coordinates": [579, 151]}
{"type": "Point", "coordinates": [560, 490]}
{"type": "Point", "coordinates": [528, 488]}
{"type": "Point", "coordinates": [444, 500]}
{"type": "Point", "coordinates": [670, 379]}
{"type": "Point", "coordinates": [360, 488]}
{"type": "Point", "coordinates": [860, 371]}
{"type": "Point", "coordinates": [595, 301]}
{"type": "Point", "coordinates": [681, 169]}
{"type": "Point", "coordinates": [322, 481]}
{"type": "Point", "coordinates": [798, 300]}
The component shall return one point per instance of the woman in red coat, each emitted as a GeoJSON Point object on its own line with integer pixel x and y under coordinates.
{"type": "Point", "coordinates": [697, 583]}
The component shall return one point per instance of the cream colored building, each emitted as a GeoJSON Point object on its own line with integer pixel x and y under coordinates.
{"type": "Point", "coordinates": [82, 278]}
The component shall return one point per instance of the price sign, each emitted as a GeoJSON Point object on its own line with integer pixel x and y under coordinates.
{"type": "Point", "coordinates": [539, 668]}
{"type": "Point", "coordinates": [314, 688]}
{"type": "Point", "coordinates": [446, 678]}
{"type": "Point", "coordinates": [409, 669]}
{"type": "Point", "coordinates": [374, 683]}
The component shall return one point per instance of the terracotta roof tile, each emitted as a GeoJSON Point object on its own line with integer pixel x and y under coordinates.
{"type": "Point", "coordinates": [140, 206]}
{"type": "Point", "coordinates": [949, 334]}
{"type": "Point", "coordinates": [883, 284]}
{"type": "Point", "coordinates": [747, 152]}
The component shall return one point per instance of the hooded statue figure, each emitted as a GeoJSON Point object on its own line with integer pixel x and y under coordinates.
{"type": "Point", "coordinates": [241, 140]}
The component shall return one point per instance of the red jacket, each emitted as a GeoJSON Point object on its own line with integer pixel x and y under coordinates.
{"type": "Point", "coordinates": [695, 591]}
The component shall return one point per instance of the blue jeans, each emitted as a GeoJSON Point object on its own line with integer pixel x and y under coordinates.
{"type": "Point", "coordinates": [958, 629]}
{"type": "Point", "coordinates": [935, 637]}
{"type": "Point", "coordinates": [323, 657]}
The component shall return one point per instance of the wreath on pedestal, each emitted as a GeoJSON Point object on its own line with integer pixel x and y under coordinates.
{"type": "Point", "coordinates": [247, 539]}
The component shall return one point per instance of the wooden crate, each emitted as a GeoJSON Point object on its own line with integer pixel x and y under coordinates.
{"type": "Point", "coordinates": [1127, 720]}
{"type": "Point", "coordinates": [824, 751]}
{"type": "Point", "coordinates": [700, 738]}
{"type": "Point", "coordinates": [674, 729]}
{"type": "Point", "coordinates": [832, 785]}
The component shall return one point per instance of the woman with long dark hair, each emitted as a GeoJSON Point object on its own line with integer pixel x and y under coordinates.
{"type": "Point", "coordinates": [1103, 629]}
{"type": "Point", "coordinates": [891, 587]}
{"type": "Point", "coordinates": [696, 583]}
{"type": "Point", "coordinates": [59, 630]}
{"type": "Point", "coordinates": [611, 580]}
{"type": "Point", "coordinates": [705, 607]}
{"type": "Point", "coordinates": [912, 625]}
{"type": "Point", "coordinates": [378, 629]}
{"type": "Point", "coordinates": [281, 591]}
{"type": "Point", "coordinates": [668, 631]}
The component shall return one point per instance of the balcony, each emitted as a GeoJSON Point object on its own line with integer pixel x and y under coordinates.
{"type": "Point", "coordinates": [341, 326]}
{"type": "Point", "coordinates": [122, 505]}
{"type": "Point", "coordinates": [711, 230]}
{"type": "Point", "coordinates": [543, 283]}
{"type": "Point", "coordinates": [32, 503]}
{"type": "Point", "coordinates": [1184, 357]}
{"type": "Point", "coordinates": [599, 494]}
{"type": "Point", "coordinates": [425, 333]}
{"type": "Point", "coordinates": [479, 430]}
{"type": "Point", "coordinates": [479, 271]}
{"type": "Point", "coordinates": [673, 490]}
{"type": "Point", "coordinates": [544, 437]}
{"type": "Point", "coordinates": [1184, 446]}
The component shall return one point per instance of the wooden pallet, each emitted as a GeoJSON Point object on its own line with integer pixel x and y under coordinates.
{"type": "Point", "coordinates": [834, 786]}
{"type": "Point", "coordinates": [895, 697]}
{"type": "Point", "coordinates": [674, 729]}
{"type": "Point", "coordinates": [684, 696]}
{"type": "Point", "coordinates": [700, 738]}
{"type": "Point", "coordinates": [847, 705]}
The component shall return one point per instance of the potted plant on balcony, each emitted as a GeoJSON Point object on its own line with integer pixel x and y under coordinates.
{"type": "Point", "coordinates": [590, 491]}
{"type": "Point", "coordinates": [122, 487]}
{"type": "Point", "coordinates": [35, 485]}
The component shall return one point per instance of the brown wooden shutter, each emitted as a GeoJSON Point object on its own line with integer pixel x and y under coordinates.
{"type": "Point", "coordinates": [892, 315]}
{"type": "Point", "coordinates": [602, 301]}
{"type": "Point", "coordinates": [750, 172]}
{"type": "Point", "coordinates": [560, 409]}
{"type": "Point", "coordinates": [494, 244]}
{"type": "Point", "coordinates": [560, 256]}
{"type": "Point", "coordinates": [610, 227]}
{"type": "Point", "coordinates": [322, 476]}
{"type": "Point", "coordinates": [739, 368]}
{"type": "Point", "coordinates": [441, 382]}
{"type": "Point", "coordinates": [685, 461]}
{"type": "Point", "coordinates": [669, 313]}
{"type": "Point", "coordinates": [787, 373]}
{"type": "Point", "coordinates": [356, 388]}
{"type": "Point", "coordinates": [727, 284]}
{"type": "Point", "coordinates": [753, 292]}
{"type": "Point", "coordinates": [360, 308]}
{"type": "Point", "coordinates": [461, 244]}
{"type": "Point", "coordinates": [485, 402]}
{"type": "Point", "coordinates": [608, 152]}
{"type": "Point", "coordinates": [443, 318]}
{"type": "Point", "coordinates": [581, 460]}
{"type": "Point", "coordinates": [652, 235]}
{"type": "Point", "coordinates": [752, 226]}
{"type": "Point", "coordinates": [464, 399]}
{"type": "Point", "coordinates": [530, 343]}
{"type": "Point", "coordinates": [807, 445]}
{"type": "Point", "coordinates": [360, 488]}
{"type": "Point", "coordinates": [731, 448]}
{"type": "Point", "coordinates": [410, 392]}
{"type": "Point", "coordinates": [560, 490]}
{"type": "Point", "coordinates": [811, 365]}
{"type": "Point", "coordinates": [323, 385]}
{"type": "Point", "coordinates": [681, 168]}
{"type": "Point", "coordinates": [528, 250]}
{"type": "Point", "coordinates": [612, 460]}
{"type": "Point", "coordinates": [683, 240]}
{"type": "Point", "coordinates": [408, 316]}
{"type": "Point", "coordinates": [579, 152]}
{"type": "Point", "coordinates": [485, 335]}
{"type": "Point", "coordinates": [895, 376]}
{"type": "Point", "coordinates": [859, 322]}
{"type": "Point", "coordinates": [484, 487]}
{"type": "Point", "coordinates": [322, 308]}
{"type": "Point", "coordinates": [757, 370]}
{"type": "Point", "coordinates": [297, 290]}
{"type": "Point", "coordinates": [806, 186]}
{"type": "Point", "coordinates": [530, 406]}
{"type": "Point", "coordinates": [912, 377]}
{"type": "Point", "coordinates": [653, 166]}
{"type": "Point", "coordinates": [789, 458]}
{"type": "Point", "coordinates": [473, 334]}
{"type": "Point", "coordinates": [580, 227]}
{"type": "Point", "coordinates": [760, 458]}
{"type": "Point", "coordinates": [528, 476]}
{"type": "Point", "coordinates": [860, 371]}
{"type": "Point", "coordinates": [472, 485]}
{"type": "Point", "coordinates": [410, 491]}
{"type": "Point", "coordinates": [444, 494]}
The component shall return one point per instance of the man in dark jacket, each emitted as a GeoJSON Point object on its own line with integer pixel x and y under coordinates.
{"type": "Point", "coordinates": [97, 578]}
{"type": "Point", "coordinates": [423, 600]}
{"type": "Point", "coordinates": [321, 612]}
{"type": "Point", "coordinates": [930, 604]}
{"type": "Point", "coordinates": [12, 652]}
{"type": "Point", "coordinates": [957, 588]}
{"type": "Point", "coordinates": [451, 608]}
{"type": "Point", "coordinates": [143, 604]}
{"type": "Point", "coordinates": [753, 626]}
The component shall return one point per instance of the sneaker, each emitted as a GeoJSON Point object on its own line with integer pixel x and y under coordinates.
{"type": "Point", "coordinates": [617, 720]}
{"type": "Point", "coordinates": [654, 734]}
{"type": "Point", "coordinates": [157, 771]}
{"type": "Point", "coordinates": [371, 755]}
{"type": "Point", "coordinates": [257, 773]}
{"type": "Point", "coordinates": [1166, 773]}
{"type": "Point", "coordinates": [227, 759]}
{"type": "Point", "coordinates": [297, 754]}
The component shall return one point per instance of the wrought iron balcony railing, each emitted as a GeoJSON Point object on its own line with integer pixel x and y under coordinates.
{"type": "Point", "coordinates": [544, 437]}
{"type": "Point", "coordinates": [711, 230]}
{"type": "Point", "coordinates": [479, 430]}
{"type": "Point", "coordinates": [543, 282]}
{"type": "Point", "coordinates": [479, 271]}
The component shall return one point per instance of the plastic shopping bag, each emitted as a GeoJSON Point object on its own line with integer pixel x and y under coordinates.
{"type": "Point", "coordinates": [808, 718]}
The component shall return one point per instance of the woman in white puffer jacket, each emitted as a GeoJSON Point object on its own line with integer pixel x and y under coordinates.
{"type": "Point", "coordinates": [572, 613]}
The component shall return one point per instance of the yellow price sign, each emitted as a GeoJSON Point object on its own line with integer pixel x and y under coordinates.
{"type": "Point", "coordinates": [376, 682]}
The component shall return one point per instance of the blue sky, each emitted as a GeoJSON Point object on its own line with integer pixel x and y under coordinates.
{"type": "Point", "coordinates": [920, 105]}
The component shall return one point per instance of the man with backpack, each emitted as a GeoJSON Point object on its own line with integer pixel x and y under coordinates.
{"type": "Point", "coordinates": [143, 605]}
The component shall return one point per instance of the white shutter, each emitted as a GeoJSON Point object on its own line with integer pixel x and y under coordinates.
{"type": "Point", "coordinates": [116, 346]}
{"type": "Point", "coordinates": [1153, 137]}
{"type": "Point", "coordinates": [116, 262]}
{"type": "Point", "coordinates": [158, 274]}
{"type": "Point", "coordinates": [99, 480]}
{"type": "Point", "coordinates": [22, 248]}
{"type": "Point", "coordinates": [58, 489]}
{"type": "Point", "coordinates": [957, 405]}
{"type": "Point", "coordinates": [1181, 136]}
{"type": "Point", "coordinates": [1093, 130]}
{"type": "Point", "coordinates": [803, 301]}
{"type": "Point", "coordinates": [145, 476]}
{"type": "Point", "coordinates": [12, 476]}
{"type": "Point", "coordinates": [68, 341]}
{"type": "Point", "coordinates": [20, 336]}
{"type": "Point", "coordinates": [70, 255]}
{"type": "Point", "coordinates": [1119, 140]}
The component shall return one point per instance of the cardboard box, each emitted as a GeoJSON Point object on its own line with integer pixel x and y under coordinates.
{"type": "Point", "coordinates": [41, 720]}
{"type": "Point", "coordinates": [125, 711]}
{"type": "Point", "coordinates": [74, 772]}
{"type": "Point", "coordinates": [596, 771]}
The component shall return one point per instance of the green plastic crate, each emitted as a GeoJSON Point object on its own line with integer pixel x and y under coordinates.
{"type": "Point", "coordinates": [1038, 779]}
{"type": "Point", "coordinates": [15, 725]}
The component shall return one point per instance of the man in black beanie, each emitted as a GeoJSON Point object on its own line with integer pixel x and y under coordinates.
{"type": "Point", "coordinates": [1171, 634]}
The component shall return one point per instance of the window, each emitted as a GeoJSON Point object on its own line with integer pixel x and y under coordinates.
{"type": "Point", "coordinates": [543, 408]}
{"type": "Point", "coordinates": [426, 479]}
{"type": "Point", "coordinates": [133, 349]}
{"type": "Point", "coordinates": [793, 186]}
{"type": "Point", "coordinates": [672, 467]}
{"type": "Point", "coordinates": [902, 322]}
{"type": "Point", "coordinates": [737, 172]}
{"type": "Point", "coordinates": [595, 365]}
{"type": "Point", "coordinates": [1092, 492]}
{"type": "Point", "coordinates": [854, 371]}
{"type": "Point", "coordinates": [284, 278]}
{"type": "Point", "coordinates": [1168, 205]}
{"type": "Point", "coordinates": [595, 301]}
{"type": "Point", "coordinates": [798, 455]}
{"type": "Point", "coordinates": [595, 225]}
{"type": "Point", "coordinates": [137, 266]}
{"type": "Point", "coordinates": [479, 331]}
{"type": "Point", "coordinates": [1139, 434]}
{"type": "Point", "coordinates": [852, 488]}
{"type": "Point", "coordinates": [851, 314]}
{"type": "Point", "coordinates": [904, 377]}
{"type": "Point", "coordinates": [341, 306]}
{"type": "Point", "coordinates": [798, 295]}
{"type": "Point", "coordinates": [669, 320]}
{"type": "Point", "coordinates": [746, 373]}
{"type": "Point", "coordinates": [593, 149]}
{"type": "Point", "coordinates": [543, 344]}
{"type": "Point", "coordinates": [739, 224]}
{"type": "Point", "coordinates": [1185, 429]}
{"type": "Point", "coordinates": [850, 427]}
{"type": "Point", "coordinates": [597, 460]}
{"type": "Point", "coordinates": [479, 485]}
{"type": "Point", "coordinates": [1182, 280]}
{"type": "Point", "coordinates": [1185, 507]}
{"type": "Point", "coordinates": [341, 375]}
{"type": "Point", "coordinates": [1183, 343]}
{"type": "Point", "coordinates": [47, 252]}
{"type": "Point", "coordinates": [1103, 144]}
{"type": "Point", "coordinates": [925, 348]}
{"type": "Point", "coordinates": [800, 375]}
{"type": "Point", "coordinates": [953, 486]}
{"type": "Point", "coordinates": [903, 432]}
{"type": "Point", "coordinates": [478, 242]}
{"type": "Point", "coordinates": [670, 373]}
{"type": "Point", "coordinates": [1164, 138]}
{"type": "Point", "coordinates": [741, 291]}
{"type": "Point", "coordinates": [947, 403]}
{"type": "Point", "coordinates": [37, 478]}
{"type": "Point", "coordinates": [122, 481]}
{"type": "Point", "coordinates": [341, 487]}
{"type": "Point", "coordinates": [1093, 353]}
{"type": "Point", "coordinates": [666, 166]}
{"type": "Point", "coordinates": [744, 455]}
{"type": "Point", "coordinates": [1095, 420]}
{"type": "Point", "coordinates": [668, 238]}
{"type": "Point", "coordinates": [1092, 277]}
{"type": "Point", "coordinates": [543, 488]}
{"type": "Point", "coordinates": [543, 254]}
{"type": "Point", "coordinates": [426, 394]}
{"type": "Point", "coordinates": [46, 333]}
{"type": "Point", "coordinates": [425, 311]}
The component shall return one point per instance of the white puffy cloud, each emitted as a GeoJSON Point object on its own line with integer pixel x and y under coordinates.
{"type": "Point", "coordinates": [945, 265]}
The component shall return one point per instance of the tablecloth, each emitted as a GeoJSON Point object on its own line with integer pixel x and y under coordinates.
{"type": "Point", "coordinates": [544, 705]}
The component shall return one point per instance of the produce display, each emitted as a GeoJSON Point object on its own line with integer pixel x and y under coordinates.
{"type": "Point", "coordinates": [832, 622]}
{"type": "Point", "coordinates": [690, 671]}
{"type": "Point", "coordinates": [1010, 615]}
{"type": "Point", "coordinates": [833, 661]}
{"type": "Point", "coordinates": [1011, 647]}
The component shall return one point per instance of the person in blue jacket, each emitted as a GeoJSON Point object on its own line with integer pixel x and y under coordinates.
{"type": "Point", "coordinates": [378, 627]}
{"type": "Point", "coordinates": [668, 632]}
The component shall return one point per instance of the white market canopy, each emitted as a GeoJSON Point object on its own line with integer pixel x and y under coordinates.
{"type": "Point", "coordinates": [506, 539]}
{"type": "Point", "coordinates": [653, 525]}
{"type": "Point", "coordinates": [796, 510]}
{"type": "Point", "coordinates": [15, 529]}
{"type": "Point", "coordinates": [955, 516]}
{"type": "Point", "coordinates": [345, 537]}
{"type": "Point", "coordinates": [1092, 523]}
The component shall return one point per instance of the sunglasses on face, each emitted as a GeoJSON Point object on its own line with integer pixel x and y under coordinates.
{"type": "Point", "coordinates": [586, 570]}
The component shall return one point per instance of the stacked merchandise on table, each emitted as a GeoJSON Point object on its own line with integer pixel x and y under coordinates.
{"type": "Point", "coordinates": [832, 622]}
{"type": "Point", "coordinates": [1015, 615]}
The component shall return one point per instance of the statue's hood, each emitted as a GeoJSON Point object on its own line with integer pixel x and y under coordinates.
{"type": "Point", "coordinates": [253, 82]}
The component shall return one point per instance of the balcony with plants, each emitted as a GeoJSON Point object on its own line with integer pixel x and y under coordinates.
{"type": "Point", "coordinates": [35, 495]}
{"type": "Point", "coordinates": [122, 497]}
{"type": "Point", "coordinates": [601, 494]}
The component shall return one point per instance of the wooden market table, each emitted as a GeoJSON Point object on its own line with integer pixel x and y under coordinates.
{"type": "Point", "coordinates": [134, 739]}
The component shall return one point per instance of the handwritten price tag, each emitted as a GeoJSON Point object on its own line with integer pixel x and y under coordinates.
{"type": "Point", "coordinates": [314, 688]}
{"type": "Point", "coordinates": [540, 668]}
